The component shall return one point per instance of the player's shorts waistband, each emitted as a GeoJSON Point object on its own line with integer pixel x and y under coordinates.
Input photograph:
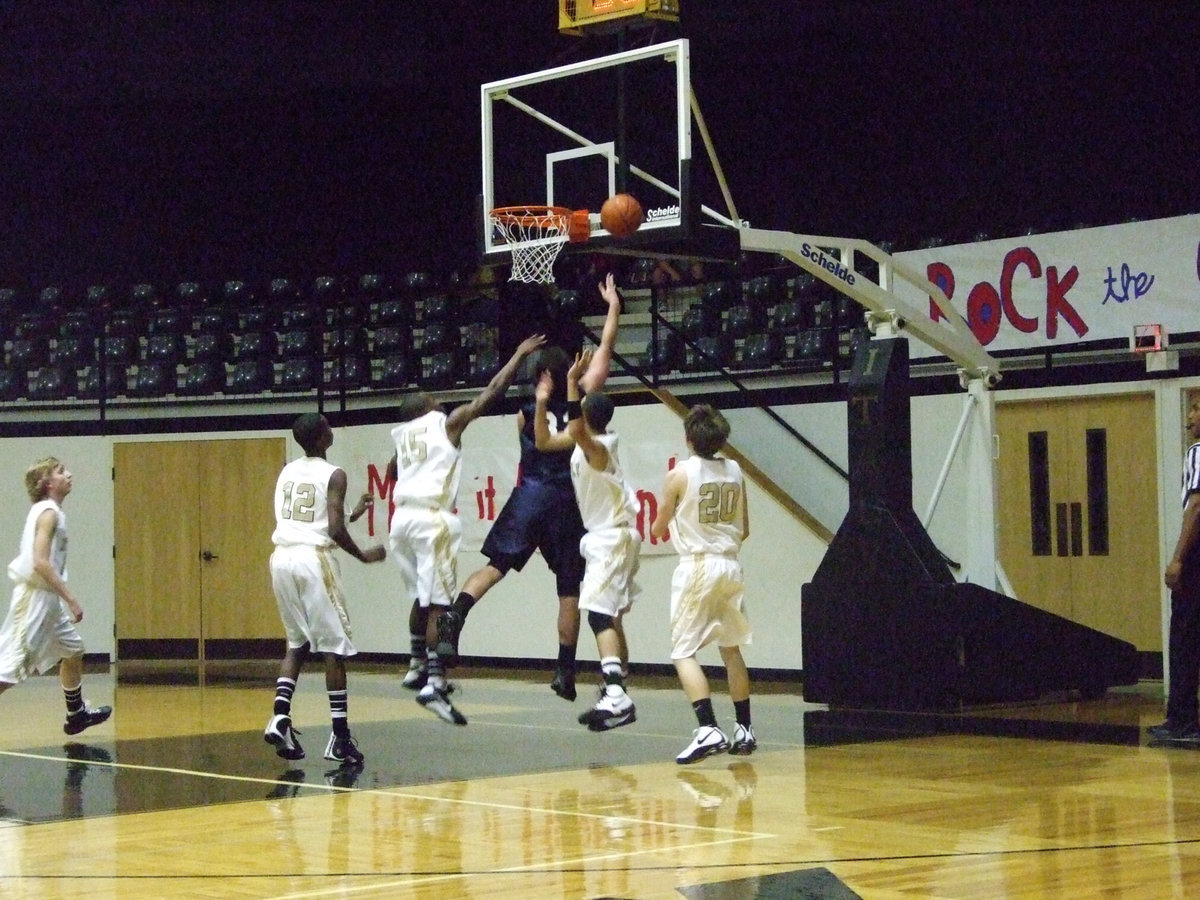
{"type": "Point", "coordinates": [421, 506]}
{"type": "Point", "coordinates": [701, 557]}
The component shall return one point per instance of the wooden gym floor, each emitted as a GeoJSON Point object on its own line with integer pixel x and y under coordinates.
{"type": "Point", "coordinates": [178, 796]}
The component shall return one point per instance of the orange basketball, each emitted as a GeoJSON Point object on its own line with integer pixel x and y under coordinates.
{"type": "Point", "coordinates": [621, 215]}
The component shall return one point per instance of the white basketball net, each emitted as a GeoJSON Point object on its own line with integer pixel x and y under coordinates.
{"type": "Point", "coordinates": [534, 235]}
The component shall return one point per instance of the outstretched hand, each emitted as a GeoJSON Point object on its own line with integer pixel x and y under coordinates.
{"type": "Point", "coordinates": [608, 290]}
{"type": "Point", "coordinates": [580, 365]}
{"type": "Point", "coordinates": [531, 343]}
{"type": "Point", "coordinates": [375, 554]}
{"type": "Point", "coordinates": [544, 388]}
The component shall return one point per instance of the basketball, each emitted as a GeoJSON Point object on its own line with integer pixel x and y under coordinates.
{"type": "Point", "coordinates": [621, 215]}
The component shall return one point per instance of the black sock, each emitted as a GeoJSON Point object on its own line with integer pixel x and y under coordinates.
{"type": "Point", "coordinates": [610, 670]}
{"type": "Point", "coordinates": [74, 699]}
{"type": "Point", "coordinates": [704, 712]}
{"type": "Point", "coordinates": [417, 643]}
{"type": "Point", "coordinates": [462, 604]}
{"type": "Point", "coordinates": [741, 711]}
{"type": "Point", "coordinates": [566, 658]}
{"type": "Point", "coordinates": [339, 707]}
{"type": "Point", "coordinates": [284, 688]}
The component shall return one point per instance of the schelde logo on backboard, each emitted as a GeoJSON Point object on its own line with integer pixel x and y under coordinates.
{"type": "Point", "coordinates": [662, 213]}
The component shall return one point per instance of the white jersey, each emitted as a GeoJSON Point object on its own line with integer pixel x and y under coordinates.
{"type": "Point", "coordinates": [711, 512]}
{"type": "Point", "coordinates": [20, 570]}
{"type": "Point", "coordinates": [605, 500]}
{"type": "Point", "coordinates": [427, 464]}
{"type": "Point", "coordinates": [302, 504]}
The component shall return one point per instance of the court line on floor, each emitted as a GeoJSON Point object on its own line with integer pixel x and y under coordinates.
{"type": "Point", "coordinates": [549, 867]}
{"type": "Point", "coordinates": [397, 793]}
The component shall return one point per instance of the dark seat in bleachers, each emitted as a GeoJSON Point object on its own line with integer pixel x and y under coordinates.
{"type": "Point", "coordinates": [154, 380]}
{"type": "Point", "coordinates": [395, 371]}
{"type": "Point", "coordinates": [667, 353]}
{"type": "Point", "coordinates": [166, 349]}
{"type": "Point", "coordinates": [441, 370]}
{"type": "Point", "coordinates": [485, 364]}
{"type": "Point", "coordinates": [298, 374]}
{"type": "Point", "coordinates": [12, 383]}
{"type": "Point", "coordinates": [28, 353]}
{"type": "Point", "coordinates": [113, 377]}
{"type": "Point", "coordinates": [73, 352]}
{"type": "Point", "coordinates": [121, 349]}
{"type": "Point", "coordinates": [212, 346]}
{"type": "Point", "coordinates": [762, 350]}
{"type": "Point", "coordinates": [349, 372]}
{"type": "Point", "coordinates": [299, 342]}
{"type": "Point", "coordinates": [203, 377]}
{"type": "Point", "coordinates": [53, 383]}
{"type": "Point", "coordinates": [250, 376]}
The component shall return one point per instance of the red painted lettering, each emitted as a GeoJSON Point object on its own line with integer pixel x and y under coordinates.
{"type": "Point", "coordinates": [984, 312]}
{"type": "Point", "coordinates": [647, 510]}
{"type": "Point", "coordinates": [1021, 256]}
{"type": "Point", "coordinates": [1056, 302]}
{"type": "Point", "coordinates": [941, 275]}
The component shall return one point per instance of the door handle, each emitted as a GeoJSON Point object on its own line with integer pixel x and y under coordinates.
{"type": "Point", "coordinates": [208, 556]}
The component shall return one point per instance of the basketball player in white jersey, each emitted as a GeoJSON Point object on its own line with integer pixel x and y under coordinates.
{"type": "Point", "coordinates": [39, 630]}
{"type": "Point", "coordinates": [705, 498]}
{"type": "Point", "coordinates": [310, 496]}
{"type": "Point", "coordinates": [611, 544]}
{"type": "Point", "coordinates": [426, 531]}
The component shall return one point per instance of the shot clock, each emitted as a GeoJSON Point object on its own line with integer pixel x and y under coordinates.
{"type": "Point", "coordinates": [576, 16]}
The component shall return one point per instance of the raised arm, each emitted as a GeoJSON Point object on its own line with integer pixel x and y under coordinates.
{"type": "Point", "coordinates": [462, 416]}
{"type": "Point", "coordinates": [542, 438]}
{"type": "Point", "coordinates": [336, 503]}
{"type": "Point", "coordinates": [597, 372]}
{"type": "Point", "coordinates": [594, 451]}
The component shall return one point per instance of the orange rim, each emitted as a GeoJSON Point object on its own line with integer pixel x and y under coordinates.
{"type": "Point", "coordinates": [532, 216]}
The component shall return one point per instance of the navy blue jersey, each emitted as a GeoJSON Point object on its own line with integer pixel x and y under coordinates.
{"type": "Point", "coordinates": [545, 468]}
{"type": "Point", "coordinates": [541, 513]}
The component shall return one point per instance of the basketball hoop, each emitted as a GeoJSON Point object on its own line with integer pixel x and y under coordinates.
{"type": "Point", "coordinates": [535, 235]}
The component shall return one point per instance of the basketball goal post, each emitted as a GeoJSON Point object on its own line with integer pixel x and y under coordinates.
{"type": "Point", "coordinates": [559, 136]}
{"type": "Point", "coordinates": [835, 261]}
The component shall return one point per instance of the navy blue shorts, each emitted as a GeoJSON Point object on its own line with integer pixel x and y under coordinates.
{"type": "Point", "coordinates": [539, 517]}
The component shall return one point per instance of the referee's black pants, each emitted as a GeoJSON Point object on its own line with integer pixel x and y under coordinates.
{"type": "Point", "coordinates": [1184, 650]}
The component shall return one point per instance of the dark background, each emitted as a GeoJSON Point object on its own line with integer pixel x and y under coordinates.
{"type": "Point", "coordinates": [176, 141]}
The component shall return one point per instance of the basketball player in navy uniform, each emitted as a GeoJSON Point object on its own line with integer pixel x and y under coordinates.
{"type": "Point", "coordinates": [310, 494]}
{"type": "Point", "coordinates": [541, 513]}
{"type": "Point", "coordinates": [426, 531]}
{"type": "Point", "coordinates": [39, 631]}
{"type": "Point", "coordinates": [611, 543]}
{"type": "Point", "coordinates": [704, 502]}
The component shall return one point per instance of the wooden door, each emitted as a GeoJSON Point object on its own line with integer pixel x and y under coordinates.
{"type": "Point", "coordinates": [237, 484]}
{"type": "Point", "coordinates": [193, 535]}
{"type": "Point", "coordinates": [1078, 509]}
{"type": "Point", "coordinates": [156, 533]}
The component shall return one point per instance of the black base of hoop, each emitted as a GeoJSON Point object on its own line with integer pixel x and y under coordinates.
{"type": "Point", "coordinates": [708, 243]}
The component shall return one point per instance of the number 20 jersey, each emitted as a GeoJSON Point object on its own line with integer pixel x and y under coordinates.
{"type": "Point", "coordinates": [710, 513]}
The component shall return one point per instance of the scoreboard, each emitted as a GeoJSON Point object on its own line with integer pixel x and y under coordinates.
{"type": "Point", "coordinates": [576, 16]}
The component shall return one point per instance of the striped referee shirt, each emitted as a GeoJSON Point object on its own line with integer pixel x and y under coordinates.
{"type": "Point", "coordinates": [1191, 472]}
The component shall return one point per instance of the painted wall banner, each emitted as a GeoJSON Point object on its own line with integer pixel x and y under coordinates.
{"type": "Point", "coordinates": [489, 475]}
{"type": "Point", "coordinates": [1067, 287]}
